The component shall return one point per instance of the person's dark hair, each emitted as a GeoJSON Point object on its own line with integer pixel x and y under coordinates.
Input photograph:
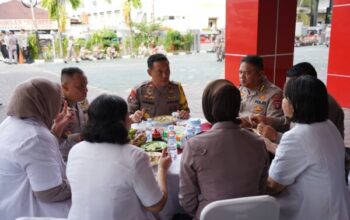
{"type": "Point", "coordinates": [309, 98]}
{"type": "Point", "coordinates": [221, 101]}
{"type": "Point", "coordinates": [70, 72]}
{"type": "Point", "coordinates": [155, 58]}
{"type": "Point", "coordinates": [303, 68]}
{"type": "Point", "coordinates": [255, 61]}
{"type": "Point", "coordinates": [106, 120]}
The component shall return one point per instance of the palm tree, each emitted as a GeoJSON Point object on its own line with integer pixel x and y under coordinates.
{"type": "Point", "coordinates": [57, 11]}
{"type": "Point", "coordinates": [313, 5]}
{"type": "Point", "coordinates": [127, 6]}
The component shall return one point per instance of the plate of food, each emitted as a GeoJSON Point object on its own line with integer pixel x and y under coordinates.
{"type": "Point", "coordinates": [154, 146]}
{"type": "Point", "coordinates": [164, 120]}
{"type": "Point", "coordinates": [154, 157]}
{"type": "Point", "coordinates": [137, 137]}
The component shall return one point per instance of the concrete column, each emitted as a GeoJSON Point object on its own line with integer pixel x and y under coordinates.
{"type": "Point", "coordinates": [260, 27]}
{"type": "Point", "coordinates": [338, 78]}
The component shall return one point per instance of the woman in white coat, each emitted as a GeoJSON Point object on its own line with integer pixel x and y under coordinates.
{"type": "Point", "coordinates": [307, 173]}
{"type": "Point", "coordinates": [110, 178]}
{"type": "Point", "coordinates": [32, 173]}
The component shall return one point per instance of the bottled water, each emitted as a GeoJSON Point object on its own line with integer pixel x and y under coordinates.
{"type": "Point", "coordinates": [197, 130]}
{"type": "Point", "coordinates": [172, 149]}
{"type": "Point", "coordinates": [149, 130]}
{"type": "Point", "coordinates": [190, 132]}
{"type": "Point", "coordinates": [196, 124]}
{"type": "Point", "coordinates": [187, 135]}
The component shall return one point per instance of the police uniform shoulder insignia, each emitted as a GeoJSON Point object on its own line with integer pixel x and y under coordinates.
{"type": "Point", "coordinates": [132, 95]}
{"type": "Point", "coordinates": [277, 100]}
{"type": "Point", "coordinates": [262, 88]}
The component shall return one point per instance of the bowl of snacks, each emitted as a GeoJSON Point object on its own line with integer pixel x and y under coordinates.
{"type": "Point", "coordinates": [154, 146]}
{"type": "Point", "coordinates": [163, 120]}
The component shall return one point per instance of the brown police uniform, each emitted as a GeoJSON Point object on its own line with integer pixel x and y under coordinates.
{"type": "Point", "coordinates": [71, 133]}
{"type": "Point", "coordinates": [224, 162]}
{"type": "Point", "coordinates": [266, 100]}
{"type": "Point", "coordinates": [336, 114]}
{"type": "Point", "coordinates": [157, 101]}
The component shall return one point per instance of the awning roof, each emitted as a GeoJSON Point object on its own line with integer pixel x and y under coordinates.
{"type": "Point", "coordinates": [15, 10]}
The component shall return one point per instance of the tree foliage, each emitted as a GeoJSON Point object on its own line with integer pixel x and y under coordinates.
{"type": "Point", "coordinates": [147, 32]}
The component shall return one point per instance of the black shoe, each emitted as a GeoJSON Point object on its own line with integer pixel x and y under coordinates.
{"type": "Point", "coordinates": [77, 61]}
{"type": "Point", "coordinates": [65, 61]}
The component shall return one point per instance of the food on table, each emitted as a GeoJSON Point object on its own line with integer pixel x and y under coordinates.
{"type": "Point", "coordinates": [154, 146]}
{"type": "Point", "coordinates": [139, 138]}
{"type": "Point", "coordinates": [164, 120]}
{"type": "Point", "coordinates": [156, 135]}
{"type": "Point", "coordinates": [132, 133]}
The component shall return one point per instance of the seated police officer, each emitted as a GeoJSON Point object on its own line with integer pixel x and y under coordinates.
{"type": "Point", "coordinates": [259, 96]}
{"type": "Point", "coordinates": [158, 96]}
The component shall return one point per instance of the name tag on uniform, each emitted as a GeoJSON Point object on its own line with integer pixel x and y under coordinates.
{"type": "Point", "coordinates": [260, 102]}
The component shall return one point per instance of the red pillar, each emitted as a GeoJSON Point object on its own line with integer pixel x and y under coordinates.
{"type": "Point", "coordinates": [260, 27]}
{"type": "Point", "coordinates": [338, 78]}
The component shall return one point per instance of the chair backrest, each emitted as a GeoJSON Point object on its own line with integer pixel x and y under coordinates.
{"type": "Point", "coordinates": [246, 208]}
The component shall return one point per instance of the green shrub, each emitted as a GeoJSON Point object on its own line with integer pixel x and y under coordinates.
{"type": "Point", "coordinates": [174, 41]}
{"type": "Point", "coordinates": [33, 48]}
{"type": "Point", "coordinates": [188, 41]}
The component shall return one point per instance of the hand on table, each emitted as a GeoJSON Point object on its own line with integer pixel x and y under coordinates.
{"type": "Point", "coordinates": [137, 116]}
{"type": "Point", "coordinates": [184, 114]}
{"type": "Point", "coordinates": [267, 131]}
{"type": "Point", "coordinates": [245, 122]}
{"type": "Point", "coordinates": [256, 119]}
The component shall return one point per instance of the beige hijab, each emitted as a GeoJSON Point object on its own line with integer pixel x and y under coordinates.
{"type": "Point", "coordinates": [39, 98]}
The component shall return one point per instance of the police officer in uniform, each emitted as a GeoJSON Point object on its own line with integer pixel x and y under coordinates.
{"type": "Point", "coordinates": [259, 96]}
{"type": "Point", "coordinates": [74, 87]}
{"type": "Point", "coordinates": [159, 96]}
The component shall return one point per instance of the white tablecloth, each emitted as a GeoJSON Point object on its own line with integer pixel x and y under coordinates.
{"type": "Point", "coordinates": [172, 205]}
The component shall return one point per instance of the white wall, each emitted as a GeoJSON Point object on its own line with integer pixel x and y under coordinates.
{"type": "Point", "coordinates": [190, 14]}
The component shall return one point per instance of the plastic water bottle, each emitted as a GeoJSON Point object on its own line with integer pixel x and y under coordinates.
{"type": "Point", "coordinates": [149, 130]}
{"type": "Point", "coordinates": [190, 132]}
{"type": "Point", "coordinates": [197, 130]}
{"type": "Point", "coordinates": [172, 149]}
{"type": "Point", "coordinates": [196, 124]}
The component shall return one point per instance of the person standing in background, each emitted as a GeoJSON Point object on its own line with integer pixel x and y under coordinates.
{"type": "Point", "coordinates": [3, 46]}
{"type": "Point", "coordinates": [23, 45]}
{"type": "Point", "coordinates": [70, 51]}
{"type": "Point", "coordinates": [12, 48]}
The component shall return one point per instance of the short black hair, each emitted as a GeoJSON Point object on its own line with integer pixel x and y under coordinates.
{"type": "Point", "coordinates": [255, 61]}
{"type": "Point", "coordinates": [155, 58]}
{"type": "Point", "coordinates": [70, 72]}
{"type": "Point", "coordinates": [303, 68]}
{"type": "Point", "coordinates": [309, 98]}
{"type": "Point", "coordinates": [106, 120]}
{"type": "Point", "coordinates": [221, 101]}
